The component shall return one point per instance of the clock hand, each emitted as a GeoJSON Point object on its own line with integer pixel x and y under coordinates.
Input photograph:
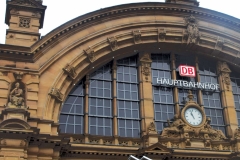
{"type": "Point", "coordinates": [192, 115]}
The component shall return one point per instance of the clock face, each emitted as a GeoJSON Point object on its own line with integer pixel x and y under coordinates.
{"type": "Point", "coordinates": [193, 116]}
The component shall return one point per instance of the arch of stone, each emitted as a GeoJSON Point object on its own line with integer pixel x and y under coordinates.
{"type": "Point", "coordinates": [44, 74]}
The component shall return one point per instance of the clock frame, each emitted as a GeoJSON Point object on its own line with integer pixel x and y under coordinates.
{"type": "Point", "coordinates": [193, 105]}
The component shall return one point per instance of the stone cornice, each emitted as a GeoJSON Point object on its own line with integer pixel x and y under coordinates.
{"type": "Point", "coordinates": [116, 12]}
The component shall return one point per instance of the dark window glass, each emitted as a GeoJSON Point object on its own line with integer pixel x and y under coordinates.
{"type": "Point", "coordinates": [162, 96]}
{"type": "Point", "coordinates": [182, 96]}
{"type": "Point", "coordinates": [127, 98]}
{"type": "Point", "coordinates": [211, 99]}
{"type": "Point", "coordinates": [235, 80]}
{"type": "Point", "coordinates": [100, 100]}
{"type": "Point", "coordinates": [71, 116]}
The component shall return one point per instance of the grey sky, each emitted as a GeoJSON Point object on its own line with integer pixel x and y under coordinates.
{"type": "Point", "coordinates": [67, 10]}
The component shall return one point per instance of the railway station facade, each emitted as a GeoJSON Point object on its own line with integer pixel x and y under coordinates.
{"type": "Point", "coordinates": [151, 79]}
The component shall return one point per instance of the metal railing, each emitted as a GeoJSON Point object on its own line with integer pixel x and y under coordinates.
{"type": "Point", "coordinates": [134, 158]}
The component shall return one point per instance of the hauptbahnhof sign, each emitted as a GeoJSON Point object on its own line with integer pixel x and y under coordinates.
{"type": "Point", "coordinates": [181, 83]}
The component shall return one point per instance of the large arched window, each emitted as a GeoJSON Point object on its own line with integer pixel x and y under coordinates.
{"type": "Point", "coordinates": [113, 99]}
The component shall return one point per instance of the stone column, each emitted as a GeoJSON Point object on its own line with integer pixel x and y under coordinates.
{"type": "Point", "coordinates": [199, 92]}
{"type": "Point", "coordinates": [148, 128]}
{"type": "Point", "coordinates": [114, 101]}
{"type": "Point", "coordinates": [86, 110]}
{"type": "Point", "coordinates": [175, 89]}
{"type": "Point", "coordinates": [227, 98]}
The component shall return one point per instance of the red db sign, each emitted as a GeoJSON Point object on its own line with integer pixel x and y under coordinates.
{"type": "Point", "coordinates": [187, 71]}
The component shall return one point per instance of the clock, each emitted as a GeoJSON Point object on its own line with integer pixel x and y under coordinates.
{"type": "Point", "coordinates": [193, 116]}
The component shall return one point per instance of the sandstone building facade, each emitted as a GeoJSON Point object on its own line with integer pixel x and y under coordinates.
{"type": "Point", "coordinates": [108, 84]}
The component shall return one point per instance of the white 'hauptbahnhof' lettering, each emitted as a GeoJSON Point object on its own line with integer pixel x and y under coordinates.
{"type": "Point", "coordinates": [199, 85]}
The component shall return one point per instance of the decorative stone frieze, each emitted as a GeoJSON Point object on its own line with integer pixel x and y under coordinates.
{"type": "Point", "coordinates": [90, 53]}
{"type": "Point", "coordinates": [70, 70]}
{"type": "Point", "coordinates": [55, 92]}
{"type": "Point", "coordinates": [113, 43]}
{"type": "Point", "coordinates": [137, 36]}
{"type": "Point", "coordinates": [192, 32]}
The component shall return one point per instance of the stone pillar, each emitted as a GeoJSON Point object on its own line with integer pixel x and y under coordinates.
{"type": "Point", "coordinates": [175, 89]}
{"type": "Point", "coordinates": [86, 111]}
{"type": "Point", "coordinates": [227, 98]}
{"type": "Point", "coordinates": [146, 100]}
{"type": "Point", "coordinates": [114, 101]}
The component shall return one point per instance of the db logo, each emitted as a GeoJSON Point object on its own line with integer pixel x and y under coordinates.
{"type": "Point", "coordinates": [187, 71]}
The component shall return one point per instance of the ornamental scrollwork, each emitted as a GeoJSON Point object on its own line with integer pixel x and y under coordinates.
{"type": "Point", "coordinates": [192, 32]}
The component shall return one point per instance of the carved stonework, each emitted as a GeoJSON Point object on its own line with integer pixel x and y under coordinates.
{"type": "Point", "coordinates": [224, 71]}
{"type": "Point", "coordinates": [70, 70]}
{"type": "Point", "coordinates": [56, 94]}
{"type": "Point", "coordinates": [17, 96]}
{"type": "Point", "coordinates": [180, 129]}
{"type": "Point", "coordinates": [113, 43]}
{"type": "Point", "coordinates": [220, 43]}
{"type": "Point", "coordinates": [24, 22]}
{"type": "Point", "coordinates": [192, 32]}
{"type": "Point", "coordinates": [90, 53]}
{"type": "Point", "coordinates": [94, 141]}
{"type": "Point", "coordinates": [123, 143]}
{"type": "Point", "coordinates": [18, 75]}
{"type": "Point", "coordinates": [162, 34]}
{"type": "Point", "coordinates": [137, 36]}
{"type": "Point", "coordinates": [152, 128]}
{"type": "Point", "coordinates": [107, 142]}
{"type": "Point", "coordinates": [146, 65]}
{"type": "Point", "coordinates": [237, 133]}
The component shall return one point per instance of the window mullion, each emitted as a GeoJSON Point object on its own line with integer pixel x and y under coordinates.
{"type": "Point", "coordinates": [175, 89]}
{"type": "Point", "coordinates": [114, 100]}
{"type": "Point", "coordinates": [86, 109]}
